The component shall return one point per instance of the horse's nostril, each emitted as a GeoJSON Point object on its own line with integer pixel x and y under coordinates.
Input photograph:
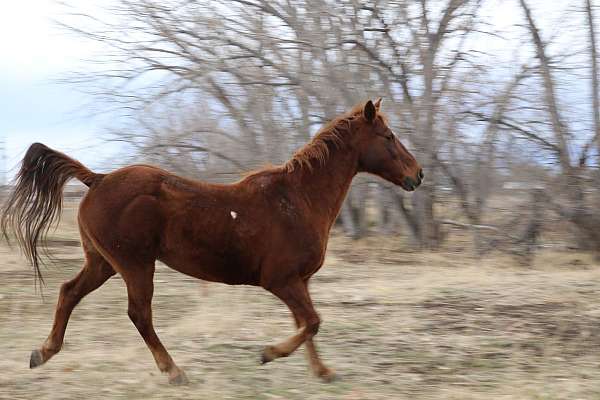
{"type": "Point", "coordinates": [421, 175]}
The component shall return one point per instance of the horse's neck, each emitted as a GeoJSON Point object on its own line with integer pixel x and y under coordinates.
{"type": "Point", "coordinates": [325, 185]}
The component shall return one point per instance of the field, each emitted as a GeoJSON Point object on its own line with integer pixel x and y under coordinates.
{"type": "Point", "coordinates": [396, 324]}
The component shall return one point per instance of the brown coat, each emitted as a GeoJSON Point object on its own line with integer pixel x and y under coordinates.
{"type": "Point", "coordinates": [270, 229]}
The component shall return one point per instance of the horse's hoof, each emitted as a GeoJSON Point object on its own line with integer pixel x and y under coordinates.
{"type": "Point", "coordinates": [268, 355]}
{"type": "Point", "coordinates": [36, 359]}
{"type": "Point", "coordinates": [327, 375]}
{"type": "Point", "coordinates": [179, 379]}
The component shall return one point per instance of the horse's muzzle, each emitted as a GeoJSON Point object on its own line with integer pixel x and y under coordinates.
{"type": "Point", "coordinates": [411, 184]}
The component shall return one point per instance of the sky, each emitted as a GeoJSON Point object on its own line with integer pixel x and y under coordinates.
{"type": "Point", "coordinates": [35, 52]}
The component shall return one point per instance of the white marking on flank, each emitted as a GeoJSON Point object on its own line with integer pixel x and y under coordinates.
{"type": "Point", "coordinates": [233, 214]}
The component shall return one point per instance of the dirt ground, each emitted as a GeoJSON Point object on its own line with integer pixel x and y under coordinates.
{"type": "Point", "coordinates": [396, 324]}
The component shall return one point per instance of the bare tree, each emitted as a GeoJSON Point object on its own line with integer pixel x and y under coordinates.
{"type": "Point", "coordinates": [574, 171]}
{"type": "Point", "coordinates": [214, 89]}
{"type": "Point", "coordinates": [594, 71]}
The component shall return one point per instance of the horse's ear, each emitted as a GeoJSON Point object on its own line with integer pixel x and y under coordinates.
{"type": "Point", "coordinates": [378, 104]}
{"type": "Point", "coordinates": [369, 111]}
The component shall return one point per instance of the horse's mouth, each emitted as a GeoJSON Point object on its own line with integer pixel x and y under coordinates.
{"type": "Point", "coordinates": [408, 188]}
{"type": "Point", "coordinates": [409, 184]}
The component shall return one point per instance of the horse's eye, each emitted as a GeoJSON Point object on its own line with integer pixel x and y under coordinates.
{"type": "Point", "coordinates": [390, 136]}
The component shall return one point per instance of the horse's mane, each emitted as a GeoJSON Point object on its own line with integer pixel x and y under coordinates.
{"type": "Point", "coordinates": [317, 150]}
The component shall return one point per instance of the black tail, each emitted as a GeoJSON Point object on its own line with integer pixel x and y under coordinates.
{"type": "Point", "coordinates": [36, 199]}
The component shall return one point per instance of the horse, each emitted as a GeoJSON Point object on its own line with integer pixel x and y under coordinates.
{"type": "Point", "coordinates": [269, 229]}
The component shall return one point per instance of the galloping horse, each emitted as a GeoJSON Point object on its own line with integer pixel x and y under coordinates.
{"type": "Point", "coordinates": [269, 229]}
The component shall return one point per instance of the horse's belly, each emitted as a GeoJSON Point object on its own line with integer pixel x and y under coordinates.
{"type": "Point", "coordinates": [226, 267]}
{"type": "Point", "coordinates": [208, 244]}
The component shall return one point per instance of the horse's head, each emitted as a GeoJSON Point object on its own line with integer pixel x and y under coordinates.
{"type": "Point", "coordinates": [380, 151]}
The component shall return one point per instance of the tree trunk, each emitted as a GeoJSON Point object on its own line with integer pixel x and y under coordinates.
{"type": "Point", "coordinates": [595, 83]}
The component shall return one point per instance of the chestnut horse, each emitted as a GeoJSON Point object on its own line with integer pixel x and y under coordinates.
{"type": "Point", "coordinates": [269, 229]}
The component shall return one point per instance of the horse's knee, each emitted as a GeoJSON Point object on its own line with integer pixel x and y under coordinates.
{"type": "Point", "coordinates": [135, 316]}
{"type": "Point", "coordinates": [138, 317]}
{"type": "Point", "coordinates": [312, 325]}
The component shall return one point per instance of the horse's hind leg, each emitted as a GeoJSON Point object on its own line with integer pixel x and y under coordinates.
{"type": "Point", "coordinates": [94, 273]}
{"type": "Point", "coordinates": [140, 289]}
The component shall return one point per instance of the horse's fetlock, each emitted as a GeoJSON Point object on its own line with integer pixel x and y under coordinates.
{"type": "Point", "coordinates": [52, 349]}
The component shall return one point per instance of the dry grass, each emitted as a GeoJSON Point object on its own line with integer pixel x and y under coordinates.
{"type": "Point", "coordinates": [397, 324]}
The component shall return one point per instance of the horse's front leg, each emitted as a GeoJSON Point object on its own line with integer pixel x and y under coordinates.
{"type": "Point", "coordinates": [316, 364]}
{"type": "Point", "coordinates": [295, 295]}
{"type": "Point", "coordinates": [319, 369]}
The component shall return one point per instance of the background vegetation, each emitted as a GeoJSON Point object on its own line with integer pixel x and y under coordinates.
{"type": "Point", "coordinates": [500, 115]}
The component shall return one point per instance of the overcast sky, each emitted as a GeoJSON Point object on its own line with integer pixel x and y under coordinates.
{"type": "Point", "coordinates": [34, 51]}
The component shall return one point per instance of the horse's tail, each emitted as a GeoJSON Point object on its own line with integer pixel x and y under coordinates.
{"type": "Point", "coordinates": [35, 202]}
